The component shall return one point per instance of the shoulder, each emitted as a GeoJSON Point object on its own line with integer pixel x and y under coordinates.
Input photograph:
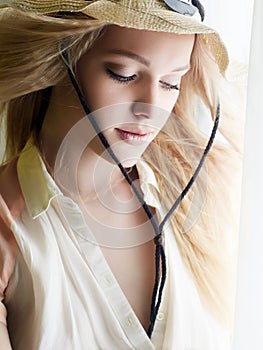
{"type": "Point", "coordinates": [11, 198]}
{"type": "Point", "coordinates": [11, 204]}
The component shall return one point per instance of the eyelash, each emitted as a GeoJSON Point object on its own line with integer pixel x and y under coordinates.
{"type": "Point", "coordinates": [170, 87]}
{"type": "Point", "coordinates": [125, 80]}
{"type": "Point", "coordinates": [120, 78]}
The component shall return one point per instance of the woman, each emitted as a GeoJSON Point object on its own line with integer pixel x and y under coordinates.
{"type": "Point", "coordinates": [82, 198]}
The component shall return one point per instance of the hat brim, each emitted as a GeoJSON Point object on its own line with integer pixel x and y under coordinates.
{"type": "Point", "coordinates": [142, 16]}
{"type": "Point", "coordinates": [160, 20]}
{"type": "Point", "coordinates": [147, 19]}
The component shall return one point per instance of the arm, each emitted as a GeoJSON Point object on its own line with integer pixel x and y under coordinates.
{"type": "Point", "coordinates": [8, 249]}
{"type": "Point", "coordinates": [10, 206]}
{"type": "Point", "coordinates": [4, 338]}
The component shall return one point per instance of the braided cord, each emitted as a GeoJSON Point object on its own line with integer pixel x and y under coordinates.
{"type": "Point", "coordinates": [200, 8]}
{"type": "Point", "coordinates": [160, 259]}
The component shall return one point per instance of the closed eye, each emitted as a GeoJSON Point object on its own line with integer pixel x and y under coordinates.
{"type": "Point", "coordinates": [120, 78]}
{"type": "Point", "coordinates": [126, 79]}
{"type": "Point", "coordinates": [169, 87]}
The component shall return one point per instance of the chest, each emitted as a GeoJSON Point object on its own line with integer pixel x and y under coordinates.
{"type": "Point", "coordinates": [66, 273]}
{"type": "Point", "coordinates": [134, 271]}
{"type": "Point", "coordinates": [126, 242]}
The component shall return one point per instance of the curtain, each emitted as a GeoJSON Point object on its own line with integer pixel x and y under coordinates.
{"type": "Point", "coordinates": [248, 333]}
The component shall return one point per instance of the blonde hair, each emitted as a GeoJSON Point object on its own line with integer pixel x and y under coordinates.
{"type": "Point", "coordinates": [30, 64]}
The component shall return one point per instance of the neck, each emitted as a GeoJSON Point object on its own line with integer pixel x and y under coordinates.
{"type": "Point", "coordinates": [93, 172]}
{"type": "Point", "coordinates": [100, 179]}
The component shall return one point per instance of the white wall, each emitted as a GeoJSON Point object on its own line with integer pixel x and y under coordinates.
{"type": "Point", "coordinates": [233, 19]}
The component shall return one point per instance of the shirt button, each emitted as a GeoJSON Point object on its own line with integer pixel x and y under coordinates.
{"type": "Point", "coordinates": [160, 316]}
{"type": "Point", "coordinates": [130, 321]}
{"type": "Point", "coordinates": [107, 280]}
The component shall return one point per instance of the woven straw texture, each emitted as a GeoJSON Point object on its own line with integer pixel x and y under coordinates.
{"type": "Point", "coordinates": [139, 14]}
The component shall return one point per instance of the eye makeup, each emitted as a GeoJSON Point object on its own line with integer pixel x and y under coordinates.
{"type": "Point", "coordinates": [120, 78]}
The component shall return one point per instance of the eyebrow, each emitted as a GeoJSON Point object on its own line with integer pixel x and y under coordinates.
{"type": "Point", "coordinates": [131, 55]}
{"type": "Point", "coordinates": [182, 68]}
{"type": "Point", "coordinates": [143, 60]}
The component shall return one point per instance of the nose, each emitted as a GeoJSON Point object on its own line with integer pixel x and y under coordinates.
{"type": "Point", "coordinates": [143, 110]}
{"type": "Point", "coordinates": [146, 101]}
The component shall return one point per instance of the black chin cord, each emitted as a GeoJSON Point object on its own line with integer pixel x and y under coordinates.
{"type": "Point", "coordinates": [160, 260]}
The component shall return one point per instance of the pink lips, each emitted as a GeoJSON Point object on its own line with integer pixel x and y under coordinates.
{"type": "Point", "coordinates": [134, 135]}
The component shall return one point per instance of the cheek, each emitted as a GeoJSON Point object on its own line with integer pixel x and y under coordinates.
{"type": "Point", "coordinates": [101, 91]}
{"type": "Point", "coordinates": [96, 89]}
{"type": "Point", "coordinates": [168, 101]}
{"type": "Point", "coordinates": [166, 108]}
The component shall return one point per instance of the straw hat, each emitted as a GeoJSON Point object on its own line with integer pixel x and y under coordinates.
{"type": "Point", "coordinates": [173, 16]}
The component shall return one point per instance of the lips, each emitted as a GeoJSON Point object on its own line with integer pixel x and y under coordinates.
{"type": "Point", "coordinates": [134, 135]}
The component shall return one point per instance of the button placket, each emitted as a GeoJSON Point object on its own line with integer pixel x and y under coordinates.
{"type": "Point", "coordinates": [160, 316]}
{"type": "Point", "coordinates": [107, 280]}
{"type": "Point", "coordinates": [130, 321]}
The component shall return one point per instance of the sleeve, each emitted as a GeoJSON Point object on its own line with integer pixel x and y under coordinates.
{"type": "Point", "coordinates": [8, 247]}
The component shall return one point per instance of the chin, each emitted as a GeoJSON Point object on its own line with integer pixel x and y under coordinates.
{"type": "Point", "coordinates": [127, 154]}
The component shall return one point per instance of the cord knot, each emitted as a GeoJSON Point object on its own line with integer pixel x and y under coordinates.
{"type": "Point", "coordinates": [158, 239]}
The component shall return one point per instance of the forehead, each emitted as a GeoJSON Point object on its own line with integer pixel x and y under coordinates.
{"type": "Point", "coordinates": [148, 44]}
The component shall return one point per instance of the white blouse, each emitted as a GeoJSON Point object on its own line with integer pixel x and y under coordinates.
{"type": "Point", "coordinates": [63, 295]}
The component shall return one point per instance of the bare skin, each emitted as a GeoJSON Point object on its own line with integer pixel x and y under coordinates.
{"type": "Point", "coordinates": [5, 342]}
{"type": "Point", "coordinates": [149, 73]}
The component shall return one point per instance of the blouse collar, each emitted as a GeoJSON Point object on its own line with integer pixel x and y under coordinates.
{"type": "Point", "coordinates": [39, 188]}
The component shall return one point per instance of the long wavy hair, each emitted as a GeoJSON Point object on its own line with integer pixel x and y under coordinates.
{"type": "Point", "coordinates": [203, 225]}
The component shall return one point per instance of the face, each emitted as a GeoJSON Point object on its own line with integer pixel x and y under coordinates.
{"type": "Point", "coordinates": [131, 81]}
